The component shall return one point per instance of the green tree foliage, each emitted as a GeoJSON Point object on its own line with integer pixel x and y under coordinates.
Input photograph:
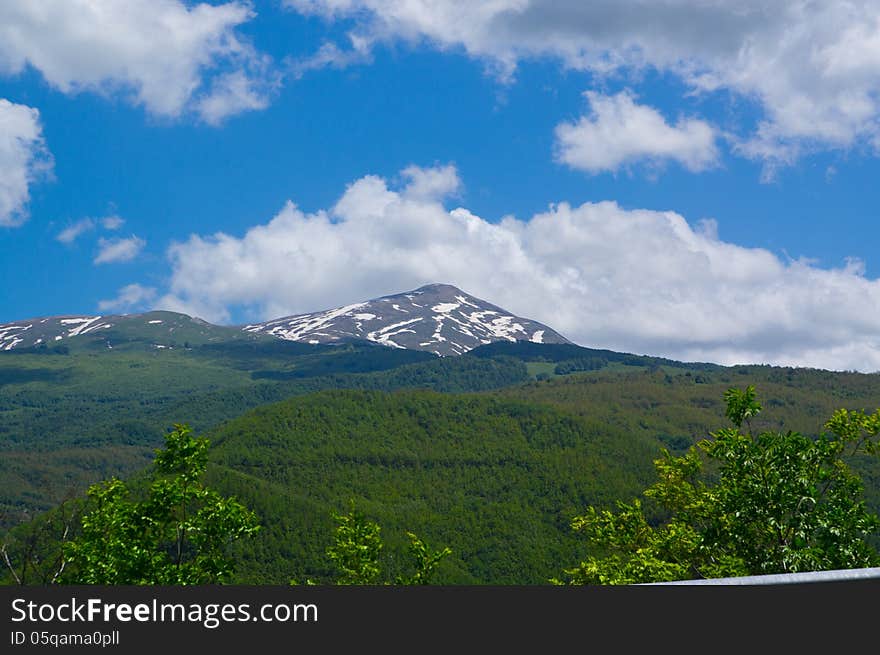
{"type": "Point", "coordinates": [357, 547]}
{"type": "Point", "coordinates": [178, 535]}
{"type": "Point", "coordinates": [34, 552]}
{"type": "Point", "coordinates": [581, 364]}
{"type": "Point", "coordinates": [424, 561]}
{"type": "Point", "coordinates": [737, 504]}
{"type": "Point", "coordinates": [742, 405]}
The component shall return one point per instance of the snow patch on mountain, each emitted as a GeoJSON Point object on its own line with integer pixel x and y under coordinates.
{"type": "Point", "coordinates": [297, 328]}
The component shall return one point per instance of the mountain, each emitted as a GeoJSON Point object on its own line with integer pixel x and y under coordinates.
{"type": "Point", "coordinates": [157, 329]}
{"type": "Point", "coordinates": [299, 430]}
{"type": "Point", "coordinates": [437, 318]}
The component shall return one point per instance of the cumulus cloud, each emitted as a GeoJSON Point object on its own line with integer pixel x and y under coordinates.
{"type": "Point", "coordinates": [160, 53]}
{"type": "Point", "coordinates": [620, 132]}
{"type": "Point", "coordinates": [813, 68]}
{"type": "Point", "coordinates": [436, 182]}
{"type": "Point", "coordinates": [638, 281]}
{"type": "Point", "coordinates": [24, 158]}
{"type": "Point", "coordinates": [130, 297]}
{"type": "Point", "coordinates": [118, 250]}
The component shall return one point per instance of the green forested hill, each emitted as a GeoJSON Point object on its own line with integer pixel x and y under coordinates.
{"type": "Point", "coordinates": [496, 476]}
{"type": "Point", "coordinates": [513, 441]}
{"type": "Point", "coordinates": [497, 480]}
{"type": "Point", "coordinates": [68, 420]}
{"type": "Point", "coordinates": [678, 407]}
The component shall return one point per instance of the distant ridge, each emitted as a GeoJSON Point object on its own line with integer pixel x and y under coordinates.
{"type": "Point", "coordinates": [158, 329]}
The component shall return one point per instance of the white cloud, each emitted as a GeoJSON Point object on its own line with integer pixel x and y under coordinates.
{"type": "Point", "coordinates": [73, 231]}
{"type": "Point", "coordinates": [234, 93]}
{"type": "Point", "coordinates": [329, 55]}
{"type": "Point", "coordinates": [132, 296]}
{"type": "Point", "coordinates": [112, 222]}
{"type": "Point", "coordinates": [431, 183]}
{"type": "Point", "coordinates": [813, 68]}
{"type": "Point", "coordinates": [24, 158]}
{"type": "Point", "coordinates": [118, 250]}
{"type": "Point", "coordinates": [633, 280]}
{"type": "Point", "coordinates": [620, 133]}
{"type": "Point", "coordinates": [160, 53]}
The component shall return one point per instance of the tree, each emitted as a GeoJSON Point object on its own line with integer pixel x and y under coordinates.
{"type": "Point", "coordinates": [424, 561]}
{"type": "Point", "coordinates": [178, 535]}
{"type": "Point", "coordinates": [357, 546]}
{"type": "Point", "coordinates": [742, 504]}
{"type": "Point", "coordinates": [33, 553]}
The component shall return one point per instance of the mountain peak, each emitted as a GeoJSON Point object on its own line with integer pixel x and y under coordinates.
{"type": "Point", "coordinates": [437, 287]}
{"type": "Point", "coordinates": [438, 318]}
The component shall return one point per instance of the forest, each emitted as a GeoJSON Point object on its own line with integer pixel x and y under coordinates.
{"type": "Point", "coordinates": [493, 455]}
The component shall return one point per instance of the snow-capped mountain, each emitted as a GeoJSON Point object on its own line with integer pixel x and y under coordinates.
{"type": "Point", "coordinates": [153, 329]}
{"type": "Point", "coordinates": [47, 331]}
{"type": "Point", "coordinates": [438, 318]}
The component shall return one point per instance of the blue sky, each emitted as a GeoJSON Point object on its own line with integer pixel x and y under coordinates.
{"type": "Point", "coordinates": [688, 179]}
